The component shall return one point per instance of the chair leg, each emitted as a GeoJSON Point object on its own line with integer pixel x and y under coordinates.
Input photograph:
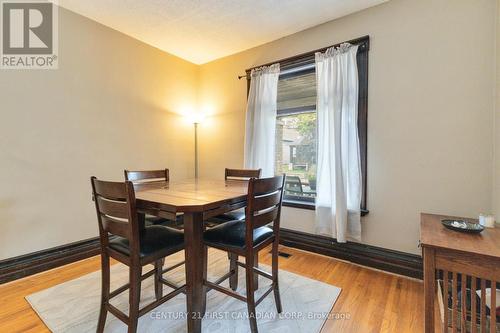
{"type": "Point", "coordinates": [256, 276]}
{"type": "Point", "coordinates": [134, 297]}
{"type": "Point", "coordinates": [249, 261]}
{"type": "Point", "coordinates": [274, 272]}
{"type": "Point", "coordinates": [233, 266]}
{"type": "Point", "coordinates": [205, 263]}
{"type": "Point", "coordinates": [158, 275]}
{"type": "Point", "coordinates": [104, 291]}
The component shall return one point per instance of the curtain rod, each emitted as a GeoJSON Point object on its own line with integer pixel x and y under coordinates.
{"type": "Point", "coordinates": [363, 42]}
{"type": "Point", "coordinates": [290, 70]}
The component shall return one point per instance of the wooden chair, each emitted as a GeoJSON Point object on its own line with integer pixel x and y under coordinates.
{"type": "Point", "coordinates": [242, 174]}
{"type": "Point", "coordinates": [237, 175]}
{"type": "Point", "coordinates": [149, 176]}
{"type": "Point", "coordinates": [246, 238]}
{"type": "Point", "coordinates": [133, 245]}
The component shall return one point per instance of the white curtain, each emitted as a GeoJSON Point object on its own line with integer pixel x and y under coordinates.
{"type": "Point", "coordinates": [261, 119]}
{"type": "Point", "coordinates": [338, 171]}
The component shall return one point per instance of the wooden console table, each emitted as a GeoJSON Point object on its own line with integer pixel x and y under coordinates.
{"type": "Point", "coordinates": [465, 260]}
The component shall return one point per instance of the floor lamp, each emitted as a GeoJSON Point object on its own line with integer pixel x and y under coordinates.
{"type": "Point", "coordinates": [196, 123]}
{"type": "Point", "coordinates": [196, 119]}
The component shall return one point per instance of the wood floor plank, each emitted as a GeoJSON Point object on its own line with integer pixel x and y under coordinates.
{"type": "Point", "coordinates": [375, 301]}
{"type": "Point", "coordinates": [371, 300]}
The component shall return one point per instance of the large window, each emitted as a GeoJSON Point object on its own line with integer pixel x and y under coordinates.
{"type": "Point", "coordinates": [296, 134]}
{"type": "Point", "coordinates": [296, 124]}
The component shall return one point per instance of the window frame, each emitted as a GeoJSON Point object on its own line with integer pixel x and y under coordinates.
{"type": "Point", "coordinates": [308, 58]}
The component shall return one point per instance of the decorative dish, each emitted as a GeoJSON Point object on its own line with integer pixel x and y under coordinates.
{"type": "Point", "coordinates": [462, 226]}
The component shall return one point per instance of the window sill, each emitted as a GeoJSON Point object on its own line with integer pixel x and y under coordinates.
{"type": "Point", "coordinates": [301, 205]}
{"type": "Point", "coordinates": [311, 206]}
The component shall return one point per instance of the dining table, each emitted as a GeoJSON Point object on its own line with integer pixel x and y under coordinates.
{"type": "Point", "coordinates": [197, 200]}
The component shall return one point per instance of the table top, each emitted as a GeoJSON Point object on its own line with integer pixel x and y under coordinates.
{"type": "Point", "coordinates": [191, 195]}
{"type": "Point", "coordinates": [434, 234]}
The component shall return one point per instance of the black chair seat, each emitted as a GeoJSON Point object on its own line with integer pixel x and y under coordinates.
{"type": "Point", "coordinates": [153, 239]}
{"type": "Point", "coordinates": [154, 220]}
{"type": "Point", "coordinates": [232, 234]}
{"type": "Point", "coordinates": [235, 215]}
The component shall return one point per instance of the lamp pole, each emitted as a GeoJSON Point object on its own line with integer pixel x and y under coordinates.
{"type": "Point", "coordinates": [196, 150]}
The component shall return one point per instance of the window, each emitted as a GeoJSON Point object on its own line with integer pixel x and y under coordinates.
{"type": "Point", "coordinates": [296, 134]}
{"type": "Point", "coordinates": [296, 124]}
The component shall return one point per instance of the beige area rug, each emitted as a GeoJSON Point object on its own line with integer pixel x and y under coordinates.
{"type": "Point", "coordinates": [73, 306]}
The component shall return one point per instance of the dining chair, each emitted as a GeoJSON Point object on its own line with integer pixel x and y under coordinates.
{"type": "Point", "coordinates": [151, 176]}
{"type": "Point", "coordinates": [236, 175]}
{"type": "Point", "coordinates": [124, 239]}
{"type": "Point", "coordinates": [247, 237]}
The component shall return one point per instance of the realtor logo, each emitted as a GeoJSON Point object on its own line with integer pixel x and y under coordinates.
{"type": "Point", "coordinates": [29, 34]}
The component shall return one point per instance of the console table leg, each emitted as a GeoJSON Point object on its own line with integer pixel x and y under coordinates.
{"type": "Point", "coordinates": [429, 288]}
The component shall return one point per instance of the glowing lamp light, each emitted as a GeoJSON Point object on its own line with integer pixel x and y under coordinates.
{"type": "Point", "coordinates": [196, 117]}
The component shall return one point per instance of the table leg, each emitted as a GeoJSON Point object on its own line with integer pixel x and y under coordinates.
{"type": "Point", "coordinates": [429, 289]}
{"type": "Point", "coordinates": [196, 270]}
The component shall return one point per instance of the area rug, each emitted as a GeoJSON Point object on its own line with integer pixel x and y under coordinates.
{"type": "Point", "coordinates": [73, 306]}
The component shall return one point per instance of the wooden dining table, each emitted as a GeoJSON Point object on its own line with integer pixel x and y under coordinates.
{"type": "Point", "coordinates": [198, 200]}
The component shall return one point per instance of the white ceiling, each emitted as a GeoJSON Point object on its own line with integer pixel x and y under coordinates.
{"type": "Point", "coordinates": [204, 30]}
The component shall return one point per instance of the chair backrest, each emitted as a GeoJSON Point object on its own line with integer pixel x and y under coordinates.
{"type": "Point", "coordinates": [147, 175]}
{"type": "Point", "coordinates": [265, 197]}
{"type": "Point", "coordinates": [242, 174]}
{"type": "Point", "coordinates": [116, 211]}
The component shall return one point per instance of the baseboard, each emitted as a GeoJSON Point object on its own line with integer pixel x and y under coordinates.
{"type": "Point", "coordinates": [367, 255]}
{"type": "Point", "coordinates": [36, 262]}
{"type": "Point", "coordinates": [388, 260]}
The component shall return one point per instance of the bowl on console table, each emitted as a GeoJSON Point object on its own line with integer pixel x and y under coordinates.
{"type": "Point", "coordinates": [462, 225]}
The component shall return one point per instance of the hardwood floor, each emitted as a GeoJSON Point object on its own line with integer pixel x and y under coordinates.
{"type": "Point", "coordinates": [371, 301]}
{"type": "Point", "coordinates": [374, 301]}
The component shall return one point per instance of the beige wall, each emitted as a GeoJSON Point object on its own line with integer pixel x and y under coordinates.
{"type": "Point", "coordinates": [496, 169]}
{"type": "Point", "coordinates": [110, 105]}
{"type": "Point", "coordinates": [430, 141]}
{"type": "Point", "coordinates": [113, 103]}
